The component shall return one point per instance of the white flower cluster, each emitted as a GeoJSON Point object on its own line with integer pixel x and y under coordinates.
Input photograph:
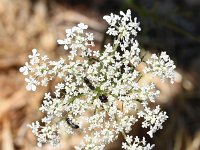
{"type": "Point", "coordinates": [78, 40]}
{"type": "Point", "coordinates": [153, 119]}
{"type": "Point", "coordinates": [99, 94]}
{"type": "Point", "coordinates": [161, 66]}
{"type": "Point", "coordinates": [136, 144]}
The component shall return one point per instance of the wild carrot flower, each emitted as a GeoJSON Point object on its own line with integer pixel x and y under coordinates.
{"type": "Point", "coordinates": [99, 93]}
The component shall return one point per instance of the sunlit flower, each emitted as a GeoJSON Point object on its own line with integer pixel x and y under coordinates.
{"type": "Point", "coordinates": [101, 90]}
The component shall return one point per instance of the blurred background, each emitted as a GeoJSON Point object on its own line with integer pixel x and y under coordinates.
{"type": "Point", "coordinates": [167, 25]}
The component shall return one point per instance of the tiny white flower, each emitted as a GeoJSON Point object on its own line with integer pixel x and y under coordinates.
{"type": "Point", "coordinates": [60, 41]}
{"type": "Point", "coordinates": [96, 53]}
{"type": "Point", "coordinates": [24, 69]}
{"type": "Point", "coordinates": [47, 96]}
{"type": "Point", "coordinates": [126, 16]}
{"type": "Point", "coordinates": [82, 26]}
{"type": "Point", "coordinates": [109, 19]}
{"type": "Point", "coordinates": [31, 84]}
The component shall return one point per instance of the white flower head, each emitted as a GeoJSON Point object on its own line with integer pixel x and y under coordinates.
{"type": "Point", "coordinates": [98, 90]}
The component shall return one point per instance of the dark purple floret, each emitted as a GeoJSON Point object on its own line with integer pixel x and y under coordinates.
{"type": "Point", "coordinates": [103, 98]}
